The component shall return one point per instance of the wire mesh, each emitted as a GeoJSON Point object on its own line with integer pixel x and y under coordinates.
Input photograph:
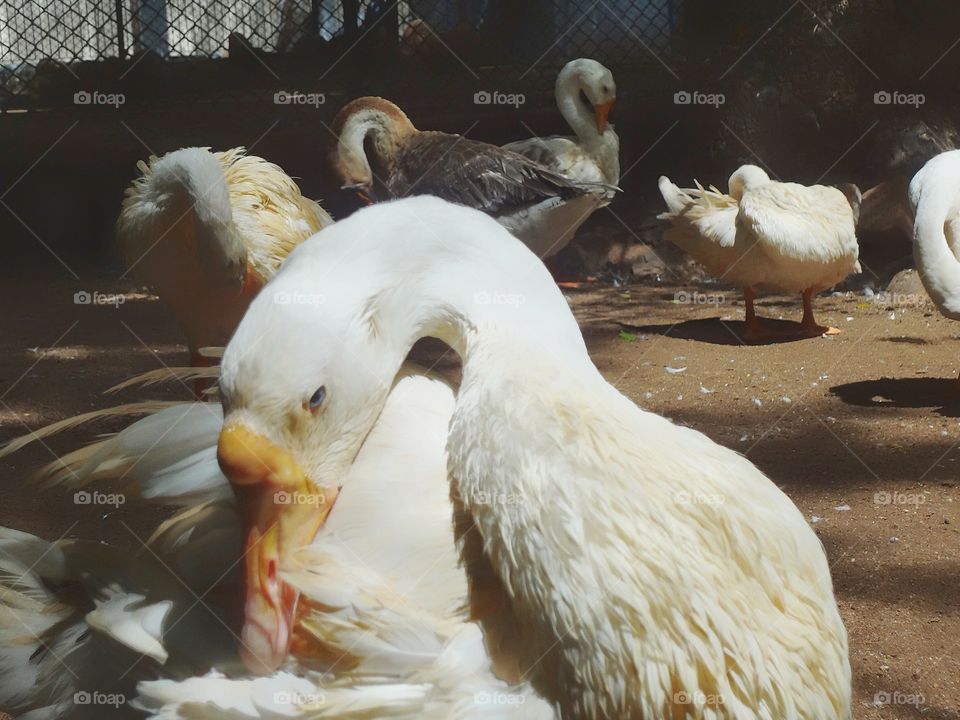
{"type": "Point", "coordinates": [39, 35]}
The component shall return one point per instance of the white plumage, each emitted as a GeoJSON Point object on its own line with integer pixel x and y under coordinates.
{"type": "Point", "coordinates": [205, 230]}
{"type": "Point", "coordinates": [624, 566]}
{"type": "Point", "coordinates": [767, 234]}
{"type": "Point", "coordinates": [593, 154]}
{"type": "Point", "coordinates": [935, 200]}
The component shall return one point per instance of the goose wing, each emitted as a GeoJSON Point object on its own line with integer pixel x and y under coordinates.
{"type": "Point", "coordinates": [477, 174]}
{"type": "Point", "coordinates": [797, 221]}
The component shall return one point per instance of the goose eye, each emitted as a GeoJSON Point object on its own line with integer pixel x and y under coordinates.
{"type": "Point", "coordinates": [316, 400]}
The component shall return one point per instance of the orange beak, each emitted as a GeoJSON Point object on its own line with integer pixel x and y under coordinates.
{"type": "Point", "coordinates": [602, 111]}
{"type": "Point", "coordinates": [282, 512]}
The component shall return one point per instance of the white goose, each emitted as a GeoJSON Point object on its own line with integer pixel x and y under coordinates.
{"type": "Point", "coordinates": [935, 199]}
{"type": "Point", "coordinates": [585, 92]}
{"type": "Point", "coordinates": [626, 566]}
{"type": "Point", "coordinates": [539, 205]}
{"type": "Point", "coordinates": [382, 610]}
{"type": "Point", "coordinates": [764, 233]}
{"type": "Point", "coordinates": [206, 230]}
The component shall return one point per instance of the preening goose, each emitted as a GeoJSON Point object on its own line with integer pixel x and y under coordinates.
{"type": "Point", "coordinates": [764, 233]}
{"type": "Point", "coordinates": [380, 629]}
{"type": "Point", "coordinates": [585, 92]}
{"type": "Point", "coordinates": [625, 566]}
{"type": "Point", "coordinates": [206, 230]}
{"type": "Point", "coordinates": [540, 206]}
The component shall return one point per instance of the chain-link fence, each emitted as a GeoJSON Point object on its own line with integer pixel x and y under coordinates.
{"type": "Point", "coordinates": [60, 38]}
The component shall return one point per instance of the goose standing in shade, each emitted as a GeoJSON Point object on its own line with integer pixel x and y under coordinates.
{"type": "Point", "coordinates": [205, 230]}
{"type": "Point", "coordinates": [537, 204]}
{"type": "Point", "coordinates": [764, 233]}
{"type": "Point", "coordinates": [625, 566]}
{"type": "Point", "coordinates": [585, 93]}
{"type": "Point", "coordinates": [935, 200]}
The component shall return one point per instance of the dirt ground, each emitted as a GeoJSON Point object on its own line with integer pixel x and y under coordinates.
{"type": "Point", "coordinates": [858, 429]}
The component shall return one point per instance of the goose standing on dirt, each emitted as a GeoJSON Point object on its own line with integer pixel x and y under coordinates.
{"type": "Point", "coordinates": [585, 92]}
{"type": "Point", "coordinates": [539, 205]}
{"type": "Point", "coordinates": [790, 237]}
{"type": "Point", "coordinates": [205, 230]}
{"type": "Point", "coordinates": [625, 566]}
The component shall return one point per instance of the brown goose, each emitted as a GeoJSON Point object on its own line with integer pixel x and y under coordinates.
{"type": "Point", "coordinates": [539, 206]}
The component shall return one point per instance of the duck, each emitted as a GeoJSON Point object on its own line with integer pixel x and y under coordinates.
{"type": "Point", "coordinates": [618, 564]}
{"type": "Point", "coordinates": [935, 203]}
{"type": "Point", "coordinates": [585, 92]}
{"type": "Point", "coordinates": [765, 233]}
{"type": "Point", "coordinates": [541, 206]}
{"type": "Point", "coordinates": [381, 621]}
{"type": "Point", "coordinates": [205, 230]}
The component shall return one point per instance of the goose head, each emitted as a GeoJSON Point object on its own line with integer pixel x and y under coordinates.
{"type": "Point", "coordinates": [367, 123]}
{"type": "Point", "coordinates": [744, 178]}
{"type": "Point", "coordinates": [586, 82]}
{"type": "Point", "coordinates": [297, 408]}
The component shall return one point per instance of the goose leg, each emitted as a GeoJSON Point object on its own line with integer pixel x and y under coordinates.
{"type": "Point", "coordinates": [754, 329]}
{"type": "Point", "coordinates": [808, 326]}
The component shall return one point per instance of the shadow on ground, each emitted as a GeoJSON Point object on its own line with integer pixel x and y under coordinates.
{"type": "Point", "coordinates": [717, 331]}
{"type": "Point", "coordinates": [940, 393]}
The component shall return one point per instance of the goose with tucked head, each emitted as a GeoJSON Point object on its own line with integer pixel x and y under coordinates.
{"type": "Point", "coordinates": [764, 233]}
{"type": "Point", "coordinates": [623, 563]}
{"type": "Point", "coordinates": [585, 93]}
{"type": "Point", "coordinates": [380, 153]}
